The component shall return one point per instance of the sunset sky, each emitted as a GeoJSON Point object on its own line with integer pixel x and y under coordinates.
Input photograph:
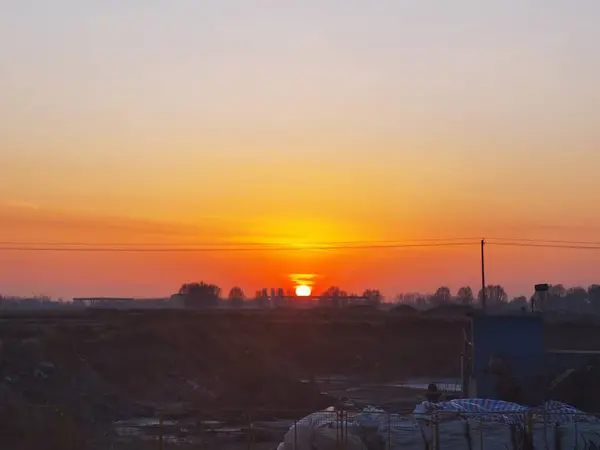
{"type": "Point", "coordinates": [297, 122]}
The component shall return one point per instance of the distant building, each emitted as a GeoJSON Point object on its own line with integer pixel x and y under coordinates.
{"type": "Point", "coordinates": [127, 303]}
{"type": "Point", "coordinates": [342, 301]}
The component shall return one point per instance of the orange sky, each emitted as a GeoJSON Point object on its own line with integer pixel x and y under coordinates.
{"type": "Point", "coordinates": [156, 274]}
{"type": "Point", "coordinates": [229, 121]}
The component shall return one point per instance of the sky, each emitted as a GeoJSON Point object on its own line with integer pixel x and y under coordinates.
{"type": "Point", "coordinates": [238, 121]}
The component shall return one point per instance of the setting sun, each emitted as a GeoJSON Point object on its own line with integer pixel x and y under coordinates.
{"type": "Point", "coordinates": [303, 291]}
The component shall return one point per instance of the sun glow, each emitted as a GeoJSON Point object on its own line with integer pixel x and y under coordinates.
{"type": "Point", "coordinates": [303, 291]}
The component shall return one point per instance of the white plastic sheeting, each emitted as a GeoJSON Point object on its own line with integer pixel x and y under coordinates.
{"type": "Point", "coordinates": [499, 436]}
{"type": "Point", "coordinates": [321, 431]}
{"type": "Point", "coordinates": [394, 431]}
{"type": "Point", "coordinates": [412, 432]}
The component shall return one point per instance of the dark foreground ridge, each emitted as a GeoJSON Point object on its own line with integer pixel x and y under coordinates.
{"type": "Point", "coordinates": [84, 370]}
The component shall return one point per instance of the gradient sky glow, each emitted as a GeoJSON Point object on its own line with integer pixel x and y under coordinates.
{"type": "Point", "coordinates": [297, 121]}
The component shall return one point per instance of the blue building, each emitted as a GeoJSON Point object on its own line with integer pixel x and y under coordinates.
{"type": "Point", "coordinates": [516, 342]}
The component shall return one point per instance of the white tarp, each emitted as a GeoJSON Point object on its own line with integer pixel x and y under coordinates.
{"type": "Point", "coordinates": [484, 431]}
{"type": "Point", "coordinates": [322, 431]}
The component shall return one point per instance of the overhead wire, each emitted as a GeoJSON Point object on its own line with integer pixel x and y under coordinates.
{"type": "Point", "coordinates": [544, 241]}
{"type": "Point", "coordinates": [316, 246]}
{"type": "Point", "coordinates": [227, 244]}
{"type": "Point", "coordinates": [225, 249]}
{"type": "Point", "coordinates": [555, 246]}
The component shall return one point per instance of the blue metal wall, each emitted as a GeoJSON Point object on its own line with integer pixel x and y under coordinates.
{"type": "Point", "coordinates": [517, 338]}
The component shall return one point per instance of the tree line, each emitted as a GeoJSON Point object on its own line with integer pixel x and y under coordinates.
{"type": "Point", "coordinates": [573, 299]}
{"type": "Point", "coordinates": [206, 295]}
{"type": "Point", "coordinates": [558, 298]}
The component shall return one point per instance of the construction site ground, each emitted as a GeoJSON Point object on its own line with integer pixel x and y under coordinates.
{"type": "Point", "coordinates": [66, 378]}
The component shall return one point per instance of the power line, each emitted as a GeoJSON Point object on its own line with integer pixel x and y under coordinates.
{"type": "Point", "coordinates": [261, 246]}
{"type": "Point", "coordinates": [491, 240]}
{"type": "Point", "coordinates": [543, 241]}
{"type": "Point", "coordinates": [525, 244]}
{"type": "Point", "coordinates": [223, 244]}
{"type": "Point", "coordinates": [225, 249]}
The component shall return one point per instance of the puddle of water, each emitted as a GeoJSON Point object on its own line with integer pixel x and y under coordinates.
{"type": "Point", "coordinates": [211, 423]}
{"type": "Point", "coordinates": [175, 440]}
{"type": "Point", "coordinates": [144, 422]}
{"type": "Point", "coordinates": [445, 385]}
{"type": "Point", "coordinates": [450, 384]}
{"type": "Point", "coordinates": [194, 431]}
{"type": "Point", "coordinates": [275, 425]}
{"type": "Point", "coordinates": [175, 432]}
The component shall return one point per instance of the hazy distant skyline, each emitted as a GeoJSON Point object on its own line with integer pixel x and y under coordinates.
{"type": "Point", "coordinates": [297, 121]}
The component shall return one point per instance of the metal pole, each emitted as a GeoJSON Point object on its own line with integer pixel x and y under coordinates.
{"type": "Point", "coordinates": [295, 434]}
{"type": "Point", "coordinates": [481, 432]}
{"type": "Point", "coordinates": [389, 442]}
{"type": "Point", "coordinates": [529, 432]}
{"type": "Point", "coordinates": [462, 373]}
{"type": "Point", "coordinates": [249, 435]}
{"type": "Point", "coordinates": [161, 444]}
{"type": "Point", "coordinates": [338, 431]}
{"type": "Point", "coordinates": [437, 431]}
{"type": "Point", "coordinates": [483, 293]}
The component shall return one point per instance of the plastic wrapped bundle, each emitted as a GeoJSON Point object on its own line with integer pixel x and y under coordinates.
{"type": "Point", "coordinates": [476, 424]}
{"type": "Point", "coordinates": [490, 424]}
{"type": "Point", "coordinates": [322, 431]}
{"type": "Point", "coordinates": [392, 430]}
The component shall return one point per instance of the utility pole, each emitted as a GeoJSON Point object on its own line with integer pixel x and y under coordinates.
{"type": "Point", "coordinates": [483, 293]}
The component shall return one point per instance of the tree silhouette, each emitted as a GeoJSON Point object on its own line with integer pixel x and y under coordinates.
{"type": "Point", "coordinates": [332, 296]}
{"type": "Point", "coordinates": [260, 300]}
{"type": "Point", "coordinates": [557, 290]}
{"type": "Point", "coordinates": [373, 297]}
{"type": "Point", "coordinates": [236, 293]}
{"type": "Point", "coordinates": [464, 296]}
{"type": "Point", "coordinates": [577, 299]}
{"type": "Point", "coordinates": [334, 291]}
{"type": "Point", "coordinates": [416, 299]}
{"type": "Point", "coordinates": [519, 302]}
{"type": "Point", "coordinates": [442, 296]}
{"type": "Point", "coordinates": [405, 298]}
{"type": "Point", "coordinates": [200, 295]}
{"type": "Point", "coordinates": [555, 298]}
{"type": "Point", "coordinates": [495, 295]}
{"type": "Point", "coordinates": [236, 296]}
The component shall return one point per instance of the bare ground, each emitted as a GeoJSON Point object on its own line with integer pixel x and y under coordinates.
{"type": "Point", "coordinates": [82, 371]}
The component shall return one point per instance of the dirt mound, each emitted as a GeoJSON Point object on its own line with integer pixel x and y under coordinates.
{"type": "Point", "coordinates": [450, 309]}
{"type": "Point", "coordinates": [101, 363]}
{"type": "Point", "coordinates": [404, 309]}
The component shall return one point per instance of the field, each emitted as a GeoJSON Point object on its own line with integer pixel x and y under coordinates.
{"type": "Point", "coordinates": [84, 370]}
